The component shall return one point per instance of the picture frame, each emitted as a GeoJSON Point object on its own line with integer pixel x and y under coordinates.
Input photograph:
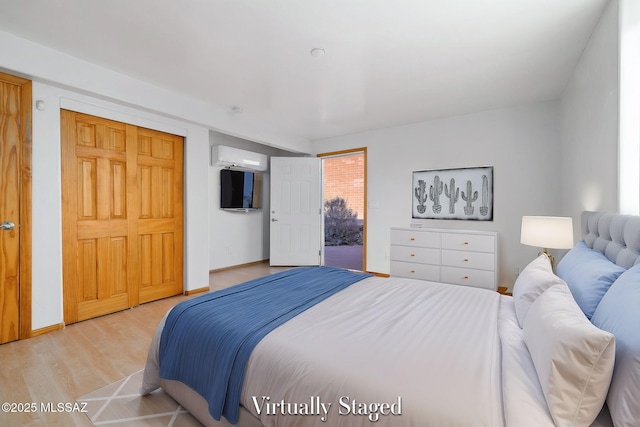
{"type": "Point", "coordinates": [461, 194]}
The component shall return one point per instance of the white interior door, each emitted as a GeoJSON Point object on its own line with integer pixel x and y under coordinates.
{"type": "Point", "coordinates": [296, 211]}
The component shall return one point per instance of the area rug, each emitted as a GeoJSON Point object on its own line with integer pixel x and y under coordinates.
{"type": "Point", "coordinates": [120, 403]}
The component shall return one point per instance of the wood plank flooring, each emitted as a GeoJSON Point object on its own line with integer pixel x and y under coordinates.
{"type": "Point", "coordinates": [61, 366]}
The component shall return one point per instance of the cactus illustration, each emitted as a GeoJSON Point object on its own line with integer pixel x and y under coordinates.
{"type": "Point", "coordinates": [453, 197]}
{"type": "Point", "coordinates": [421, 194]}
{"type": "Point", "coordinates": [469, 198]}
{"type": "Point", "coordinates": [484, 209]}
{"type": "Point", "coordinates": [434, 194]}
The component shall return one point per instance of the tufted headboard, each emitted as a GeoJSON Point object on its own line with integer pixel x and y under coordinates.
{"type": "Point", "coordinates": [616, 236]}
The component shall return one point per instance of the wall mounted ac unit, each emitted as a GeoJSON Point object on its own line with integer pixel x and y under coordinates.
{"type": "Point", "coordinates": [222, 155]}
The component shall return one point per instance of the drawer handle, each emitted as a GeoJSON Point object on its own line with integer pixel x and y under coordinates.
{"type": "Point", "coordinates": [466, 260]}
{"type": "Point", "coordinates": [413, 254]}
{"type": "Point", "coordinates": [413, 271]}
{"type": "Point", "coordinates": [466, 277]}
{"type": "Point", "coordinates": [466, 243]}
{"type": "Point", "coordinates": [413, 238]}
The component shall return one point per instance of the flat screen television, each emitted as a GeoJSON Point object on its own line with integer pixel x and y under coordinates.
{"type": "Point", "coordinates": [240, 189]}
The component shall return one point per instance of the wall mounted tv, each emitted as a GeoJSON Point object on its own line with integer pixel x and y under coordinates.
{"type": "Point", "coordinates": [240, 190]}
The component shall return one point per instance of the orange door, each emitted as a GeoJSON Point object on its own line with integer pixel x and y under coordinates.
{"type": "Point", "coordinates": [160, 216]}
{"type": "Point", "coordinates": [122, 243]}
{"type": "Point", "coordinates": [10, 117]}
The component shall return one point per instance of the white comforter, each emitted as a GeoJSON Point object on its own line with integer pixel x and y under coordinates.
{"type": "Point", "coordinates": [428, 351]}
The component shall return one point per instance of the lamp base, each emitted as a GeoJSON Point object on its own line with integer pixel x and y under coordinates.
{"type": "Point", "coordinates": [551, 258]}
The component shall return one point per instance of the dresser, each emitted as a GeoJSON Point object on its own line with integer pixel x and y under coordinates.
{"type": "Point", "coordinates": [463, 257]}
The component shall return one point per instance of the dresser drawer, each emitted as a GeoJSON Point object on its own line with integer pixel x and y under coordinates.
{"type": "Point", "coordinates": [469, 277]}
{"type": "Point", "coordinates": [415, 238]}
{"type": "Point", "coordinates": [468, 242]}
{"type": "Point", "coordinates": [415, 254]}
{"type": "Point", "coordinates": [467, 259]}
{"type": "Point", "coordinates": [415, 271]}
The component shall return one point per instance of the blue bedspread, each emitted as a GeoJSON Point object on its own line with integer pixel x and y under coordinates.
{"type": "Point", "coordinates": [207, 341]}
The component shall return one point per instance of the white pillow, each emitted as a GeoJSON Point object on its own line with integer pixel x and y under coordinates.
{"type": "Point", "coordinates": [573, 358]}
{"type": "Point", "coordinates": [536, 278]}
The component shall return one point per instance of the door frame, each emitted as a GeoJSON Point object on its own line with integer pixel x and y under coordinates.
{"type": "Point", "coordinates": [362, 150]}
{"type": "Point", "coordinates": [24, 187]}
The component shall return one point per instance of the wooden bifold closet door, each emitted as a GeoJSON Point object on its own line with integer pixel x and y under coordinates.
{"type": "Point", "coordinates": [122, 222]}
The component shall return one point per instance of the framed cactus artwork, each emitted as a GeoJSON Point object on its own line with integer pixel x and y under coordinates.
{"type": "Point", "coordinates": [465, 193]}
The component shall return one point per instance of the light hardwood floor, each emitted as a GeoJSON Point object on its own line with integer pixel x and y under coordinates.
{"type": "Point", "coordinates": [61, 366]}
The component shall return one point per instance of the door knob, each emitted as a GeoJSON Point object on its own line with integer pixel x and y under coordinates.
{"type": "Point", "coordinates": [7, 225]}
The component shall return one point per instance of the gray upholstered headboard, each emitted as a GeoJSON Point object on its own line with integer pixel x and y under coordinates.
{"type": "Point", "coordinates": [616, 236]}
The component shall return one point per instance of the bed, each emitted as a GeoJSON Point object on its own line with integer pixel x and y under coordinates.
{"type": "Point", "coordinates": [403, 352]}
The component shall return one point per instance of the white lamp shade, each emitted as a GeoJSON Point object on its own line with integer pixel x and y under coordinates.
{"type": "Point", "coordinates": [551, 232]}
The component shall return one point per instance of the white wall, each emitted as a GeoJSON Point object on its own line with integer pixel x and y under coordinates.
{"type": "Point", "coordinates": [238, 237]}
{"type": "Point", "coordinates": [589, 125]}
{"type": "Point", "coordinates": [521, 143]}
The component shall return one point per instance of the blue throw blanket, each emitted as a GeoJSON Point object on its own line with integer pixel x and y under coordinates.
{"type": "Point", "coordinates": [207, 341]}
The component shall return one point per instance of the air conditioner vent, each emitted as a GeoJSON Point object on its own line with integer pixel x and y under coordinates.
{"type": "Point", "coordinates": [222, 155]}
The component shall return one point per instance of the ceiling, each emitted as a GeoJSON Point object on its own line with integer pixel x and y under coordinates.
{"type": "Point", "coordinates": [386, 62]}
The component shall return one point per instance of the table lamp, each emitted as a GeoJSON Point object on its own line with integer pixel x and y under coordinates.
{"type": "Point", "coordinates": [547, 232]}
